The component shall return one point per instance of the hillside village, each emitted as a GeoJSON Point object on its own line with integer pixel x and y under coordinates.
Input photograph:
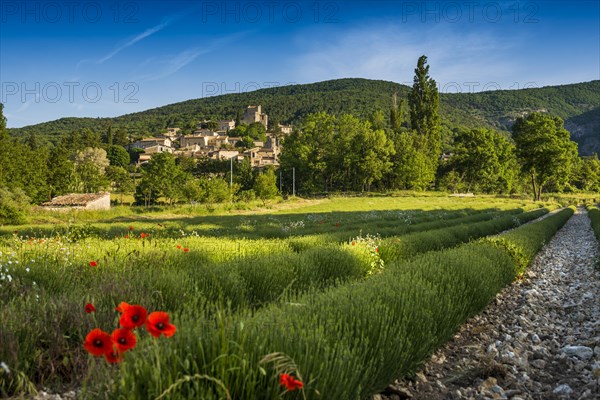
{"type": "Point", "coordinates": [218, 144]}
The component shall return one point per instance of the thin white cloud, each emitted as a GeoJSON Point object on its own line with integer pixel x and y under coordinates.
{"type": "Point", "coordinates": [168, 65]}
{"type": "Point", "coordinates": [130, 42]}
{"type": "Point", "coordinates": [390, 52]}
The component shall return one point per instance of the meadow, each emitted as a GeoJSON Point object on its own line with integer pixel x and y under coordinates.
{"type": "Point", "coordinates": [342, 294]}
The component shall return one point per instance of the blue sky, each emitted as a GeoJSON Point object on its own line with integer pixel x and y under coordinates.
{"type": "Point", "coordinates": [83, 58]}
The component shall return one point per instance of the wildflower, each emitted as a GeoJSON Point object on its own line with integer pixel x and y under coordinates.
{"type": "Point", "coordinates": [122, 306]}
{"type": "Point", "coordinates": [290, 382]}
{"type": "Point", "coordinates": [113, 357]}
{"type": "Point", "coordinates": [158, 323]}
{"type": "Point", "coordinates": [337, 224]}
{"type": "Point", "coordinates": [98, 342]}
{"type": "Point", "coordinates": [89, 308]}
{"type": "Point", "coordinates": [126, 236]}
{"type": "Point", "coordinates": [5, 367]}
{"type": "Point", "coordinates": [353, 243]}
{"type": "Point", "coordinates": [130, 228]}
{"type": "Point", "coordinates": [186, 249]}
{"type": "Point", "coordinates": [178, 246]}
{"type": "Point", "coordinates": [144, 235]}
{"type": "Point", "coordinates": [133, 316]}
{"type": "Point", "coordinates": [93, 264]}
{"type": "Point", "coordinates": [124, 339]}
{"type": "Point", "coordinates": [376, 249]}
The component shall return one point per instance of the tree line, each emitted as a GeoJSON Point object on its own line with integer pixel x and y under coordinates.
{"type": "Point", "coordinates": [400, 148]}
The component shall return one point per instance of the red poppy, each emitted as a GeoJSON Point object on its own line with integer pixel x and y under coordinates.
{"type": "Point", "coordinates": [133, 316]}
{"type": "Point", "coordinates": [158, 323]}
{"type": "Point", "coordinates": [186, 249]}
{"type": "Point", "coordinates": [337, 224]}
{"type": "Point", "coordinates": [113, 357]}
{"type": "Point", "coordinates": [93, 264]}
{"type": "Point", "coordinates": [124, 339]}
{"type": "Point", "coordinates": [178, 246]}
{"type": "Point", "coordinates": [376, 249]}
{"type": "Point", "coordinates": [144, 235]}
{"type": "Point", "coordinates": [131, 228]}
{"type": "Point", "coordinates": [98, 342]}
{"type": "Point", "coordinates": [89, 308]}
{"type": "Point", "coordinates": [126, 236]}
{"type": "Point", "coordinates": [290, 382]}
{"type": "Point", "coordinates": [122, 306]}
{"type": "Point", "coordinates": [353, 243]}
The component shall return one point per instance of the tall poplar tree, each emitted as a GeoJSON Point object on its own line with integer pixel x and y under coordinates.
{"type": "Point", "coordinates": [424, 102]}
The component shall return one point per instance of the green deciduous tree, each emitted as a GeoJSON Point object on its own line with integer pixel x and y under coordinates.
{"type": "Point", "coordinates": [161, 176]}
{"type": "Point", "coordinates": [120, 181]}
{"type": "Point", "coordinates": [544, 150]}
{"type": "Point", "coordinates": [118, 156]}
{"type": "Point", "coordinates": [265, 185]}
{"type": "Point", "coordinates": [90, 167]}
{"type": "Point", "coordinates": [411, 163]}
{"type": "Point", "coordinates": [485, 160]}
{"type": "Point", "coordinates": [587, 174]}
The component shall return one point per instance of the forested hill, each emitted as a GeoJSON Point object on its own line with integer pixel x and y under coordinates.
{"type": "Point", "coordinates": [578, 104]}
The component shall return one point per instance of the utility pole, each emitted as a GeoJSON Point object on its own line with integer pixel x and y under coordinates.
{"type": "Point", "coordinates": [294, 181]}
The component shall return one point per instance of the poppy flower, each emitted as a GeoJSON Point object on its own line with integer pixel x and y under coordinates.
{"type": "Point", "coordinates": [178, 246]}
{"type": "Point", "coordinates": [98, 342]}
{"type": "Point", "coordinates": [133, 316]}
{"type": "Point", "coordinates": [186, 249]}
{"type": "Point", "coordinates": [353, 243]}
{"type": "Point", "coordinates": [290, 382]}
{"type": "Point", "coordinates": [126, 236]}
{"type": "Point", "coordinates": [121, 307]}
{"type": "Point", "coordinates": [89, 308]}
{"type": "Point", "coordinates": [337, 224]}
{"type": "Point", "coordinates": [376, 249]}
{"type": "Point", "coordinates": [113, 357]}
{"type": "Point", "coordinates": [124, 339]}
{"type": "Point", "coordinates": [93, 264]}
{"type": "Point", "coordinates": [158, 323]}
{"type": "Point", "coordinates": [131, 228]}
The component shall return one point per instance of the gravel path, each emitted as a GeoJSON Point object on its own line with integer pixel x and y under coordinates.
{"type": "Point", "coordinates": [540, 338]}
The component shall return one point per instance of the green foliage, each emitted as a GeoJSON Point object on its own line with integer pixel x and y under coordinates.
{"type": "Point", "coordinates": [90, 170]}
{"type": "Point", "coordinates": [407, 246]}
{"type": "Point", "coordinates": [577, 104]}
{"type": "Point", "coordinates": [336, 153]}
{"type": "Point", "coordinates": [525, 242]}
{"type": "Point", "coordinates": [387, 324]}
{"type": "Point", "coordinates": [161, 176]}
{"type": "Point", "coordinates": [545, 151]}
{"type": "Point", "coordinates": [265, 185]}
{"type": "Point", "coordinates": [484, 160]}
{"type": "Point", "coordinates": [424, 103]}
{"type": "Point", "coordinates": [120, 181]}
{"type": "Point", "coordinates": [118, 156]}
{"type": "Point", "coordinates": [14, 206]}
{"type": "Point", "coordinates": [224, 291]}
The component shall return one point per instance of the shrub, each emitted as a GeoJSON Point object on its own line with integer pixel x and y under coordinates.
{"type": "Point", "coordinates": [14, 206]}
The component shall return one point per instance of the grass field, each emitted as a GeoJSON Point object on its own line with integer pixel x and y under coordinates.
{"type": "Point", "coordinates": [344, 294]}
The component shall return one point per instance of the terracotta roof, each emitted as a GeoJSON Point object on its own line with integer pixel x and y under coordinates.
{"type": "Point", "coordinates": [74, 199]}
